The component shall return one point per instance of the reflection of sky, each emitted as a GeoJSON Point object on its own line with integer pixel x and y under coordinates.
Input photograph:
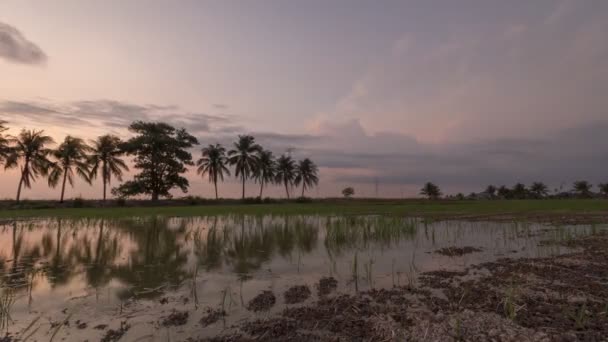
{"type": "Point", "coordinates": [458, 93]}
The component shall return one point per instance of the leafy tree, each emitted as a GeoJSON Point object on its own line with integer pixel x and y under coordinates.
{"type": "Point", "coordinates": [286, 172]}
{"type": "Point", "coordinates": [603, 188]}
{"type": "Point", "coordinates": [265, 170]}
{"type": "Point", "coordinates": [70, 155]}
{"type": "Point", "coordinates": [244, 157]}
{"type": "Point", "coordinates": [161, 154]}
{"type": "Point", "coordinates": [348, 192]}
{"type": "Point", "coordinates": [504, 192]}
{"type": "Point", "coordinates": [213, 163]}
{"type": "Point", "coordinates": [491, 191]}
{"type": "Point", "coordinates": [106, 153]}
{"type": "Point", "coordinates": [306, 174]}
{"type": "Point", "coordinates": [582, 188]}
{"type": "Point", "coordinates": [31, 152]}
{"type": "Point", "coordinates": [430, 190]}
{"type": "Point", "coordinates": [519, 191]}
{"type": "Point", "coordinates": [4, 142]}
{"type": "Point", "coordinates": [539, 190]}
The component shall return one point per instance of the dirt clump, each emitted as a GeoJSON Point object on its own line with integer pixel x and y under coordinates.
{"type": "Point", "coordinates": [297, 294]}
{"type": "Point", "coordinates": [457, 251]}
{"type": "Point", "coordinates": [262, 302]}
{"type": "Point", "coordinates": [176, 318]}
{"type": "Point", "coordinates": [327, 285]}
{"type": "Point", "coordinates": [115, 335]}
{"type": "Point", "coordinates": [212, 316]}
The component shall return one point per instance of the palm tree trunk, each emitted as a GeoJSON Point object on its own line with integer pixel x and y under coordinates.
{"type": "Point", "coordinates": [19, 187]}
{"type": "Point", "coordinates": [104, 190]}
{"type": "Point", "coordinates": [287, 190]}
{"type": "Point", "coordinates": [302, 189]}
{"type": "Point", "coordinates": [243, 176]}
{"type": "Point", "coordinates": [215, 183]}
{"type": "Point", "coordinates": [65, 177]}
{"type": "Point", "coordinates": [261, 187]}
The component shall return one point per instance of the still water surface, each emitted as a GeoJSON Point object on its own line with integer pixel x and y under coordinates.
{"type": "Point", "coordinates": [138, 270]}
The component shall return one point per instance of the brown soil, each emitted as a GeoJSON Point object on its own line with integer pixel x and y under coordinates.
{"type": "Point", "coordinates": [327, 285]}
{"type": "Point", "coordinates": [262, 302]}
{"type": "Point", "coordinates": [212, 316]}
{"type": "Point", "coordinates": [176, 318]}
{"type": "Point", "coordinates": [297, 294]}
{"type": "Point", "coordinates": [457, 251]}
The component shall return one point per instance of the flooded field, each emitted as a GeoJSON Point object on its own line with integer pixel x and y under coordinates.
{"type": "Point", "coordinates": [171, 279]}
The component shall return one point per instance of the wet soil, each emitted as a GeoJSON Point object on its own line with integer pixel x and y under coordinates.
{"type": "Point", "coordinates": [457, 251]}
{"type": "Point", "coordinates": [297, 294]}
{"type": "Point", "coordinates": [326, 286]}
{"type": "Point", "coordinates": [115, 335]}
{"type": "Point", "coordinates": [562, 298]}
{"type": "Point", "coordinates": [212, 316]}
{"type": "Point", "coordinates": [176, 318]}
{"type": "Point", "coordinates": [262, 302]}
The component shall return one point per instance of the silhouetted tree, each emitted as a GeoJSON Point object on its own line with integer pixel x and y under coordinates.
{"type": "Point", "coordinates": [539, 190]}
{"type": "Point", "coordinates": [430, 190]}
{"type": "Point", "coordinates": [161, 154]}
{"type": "Point", "coordinates": [519, 191]}
{"type": "Point", "coordinates": [491, 191]}
{"type": "Point", "coordinates": [70, 156]}
{"type": "Point", "coordinates": [213, 163]}
{"type": "Point", "coordinates": [348, 192]}
{"type": "Point", "coordinates": [244, 157]}
{"type": "Point", "coordinates": [603, 189]}
{"type": "Point", "coordinates": [582, 188]}
{"type": "Point", "coordinates": [306, 174]}
{"type": "Point", "coordinates": [106, 153]}
{"type": "Point", "coordinates": [31, 152]}
{"type": "Point", "coordinates": [265, 170]}
{"type": "Point", "coordinates": [4, 142]}
{"type": "Point", "coordinates": [286, 172]}
{"type": "Point", "coordinates": [504, 192]}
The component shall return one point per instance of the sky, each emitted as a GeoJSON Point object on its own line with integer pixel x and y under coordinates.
{"type": "Point", "coordinates": [383, 96]}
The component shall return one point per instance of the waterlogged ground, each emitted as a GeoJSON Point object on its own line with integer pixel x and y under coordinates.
{"type": "Point", "coordinates": [174, 279]}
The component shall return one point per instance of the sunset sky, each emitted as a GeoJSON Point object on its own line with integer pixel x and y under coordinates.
{"type": "Point", "coordinates": [462, 93]}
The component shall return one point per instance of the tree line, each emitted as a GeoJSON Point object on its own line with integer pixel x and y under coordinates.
{"type": "Point", "coordinates": [161, 155]}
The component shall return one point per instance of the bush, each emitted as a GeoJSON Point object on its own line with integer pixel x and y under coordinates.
{"type": "Point", "coordinates": [78, 202]}
{"type": "Point", "coordinates": [303, 199]}
{"type": "Point", "coordinates": [121, 202]}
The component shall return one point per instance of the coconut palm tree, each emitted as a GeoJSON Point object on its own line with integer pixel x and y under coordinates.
{"type": "Point", "coordinates": [539, 189]}
{"type": "Point", "coordinates": [306, 174]}
{"type": "Point", "coordinates": [105, 155]}
{"type": "Point", "coordinates": [519, 191]}
{"type": "Point", "coordinates": [31, 152]}
{"type": "Point", "coordinates": [431, 191]}
{"type": "Point", "coordinates": [244, 157]}
{"type": "Point", "coordinates": [4, 142]}
{"type": "Point", "coordinates": [582, 188]}
{"type": "Point", "coordinates": [265, 169]}
{"type": "Point", "coordinates": [70, 155]}
{"type": "Point", "coordinates": [286, 172]}
{"type": "Point", "coordinates": [213, 163]}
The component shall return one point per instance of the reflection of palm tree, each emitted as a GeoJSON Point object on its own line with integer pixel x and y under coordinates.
{"type": "Point", "coordinates": [98, 261]}
{"type": "Point", "coordinates": [209, 250]}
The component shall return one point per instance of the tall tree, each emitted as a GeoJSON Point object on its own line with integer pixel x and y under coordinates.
{"type": "Point", "coordinates": [582, 188]}
{"type": "Point", "coordinates": [603, 189]}
{"type": "Point", "coordinates": [306, 174]}
{"type": "Point", "coordinates": [4, 142]}
{"type": "Point", "coordinates": [519, 191]}
{"type": "Point", "coordinates": [539, 190]}
{"type": "Point", "coordinates": [265, 169]}
{"type": "Point", "coordinates": [431, 191]}
{"type": "Point", "coordinates": [69, 156]}
{"type": "Point", "coordinates": [31, 153]}
{"type": "Point", "coordinates": [106, 153]}
{"type": "Point", "coordinates": [286, 172]}
{"type": "Point", "coordinates": [244, 157]}
{"type": "Point", "coordinates": [504, 192]}
{"type": "Point", "coordinates": [161, 154]}
{"type": "Point", "coordinates": [213, 163]}
{"type": "Point", "coordinates": [491, 191]}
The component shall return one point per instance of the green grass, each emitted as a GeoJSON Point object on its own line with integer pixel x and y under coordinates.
{"type": "Point", "coordinates": [329, 207]}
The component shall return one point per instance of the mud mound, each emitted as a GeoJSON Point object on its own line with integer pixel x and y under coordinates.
{"type": "Point", "coordinates": [297, 294]}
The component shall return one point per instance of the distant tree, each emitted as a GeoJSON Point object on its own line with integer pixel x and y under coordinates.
{"type": "Point", "coordinates": [504, 192]}
{"type": "Point", "coordinates": [348, 192]}
{"type": "Point", "coordinates": [244, 157]}
{"type": "Point", "coordinates": [491, 191]}
{"type": "Point", "coordinates": [519, 191]}
{"type": "Point", "coordinates": [582, 188]}
{"type": "Point", "coordinates": [70, 156]}
{"type": "Point", "coordinates": [306, 174]}
{"type": "Point", "coordinates": [539, 190]}
{"type": "Point", "coordinates": [431, 191]}
{"type": "Point", "coordinates": [105, 155]}
{"type": "Point", "coordinates": [161, 154]}
{"type": "Point", "coordinates": [285, 172]}
{"type": "Point", "coordinates": [213, 164]}
{"type": "Point", "coordinates": [460, 196]}
{"type": "Point", "coordinates": [265, 170]}
{"type": "Point", "coordinates": [4, 142]}
{"type": "Point", "coordinates": [31, 152]}
{"type": "Point", "coordinates": [603, 189]}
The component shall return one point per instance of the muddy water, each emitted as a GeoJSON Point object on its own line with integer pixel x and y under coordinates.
{"type": "Point", "coordinates": [75, 280]}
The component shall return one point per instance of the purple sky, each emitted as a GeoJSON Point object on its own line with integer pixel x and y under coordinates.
{"type": "Point", "coordinates": [462, 93]}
